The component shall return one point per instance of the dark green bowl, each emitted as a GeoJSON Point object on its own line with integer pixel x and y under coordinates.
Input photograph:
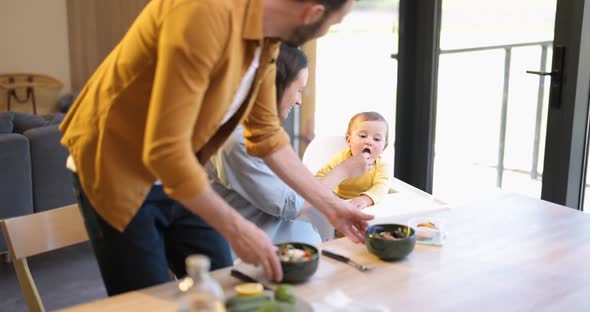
{"type": "Point", "coordinates": [390, 250]}
{"type": "Point", "coordinates": [297, 272]}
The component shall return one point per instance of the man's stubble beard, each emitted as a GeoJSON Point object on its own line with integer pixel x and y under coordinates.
{"type": "Point", "coordinates": [302, 34]}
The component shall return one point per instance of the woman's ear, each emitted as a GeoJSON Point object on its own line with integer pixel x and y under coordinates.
{"type": "Point", "coordinates": [313, 12]}
{"type": "Point", "coordinates": [348, 139]}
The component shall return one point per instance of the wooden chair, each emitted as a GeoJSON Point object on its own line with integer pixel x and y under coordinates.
{"type": "Point", "coordinates": [38, 233]}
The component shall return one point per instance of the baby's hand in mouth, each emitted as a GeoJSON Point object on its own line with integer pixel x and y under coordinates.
{"type": "Point", "coordinates": [367, 155]}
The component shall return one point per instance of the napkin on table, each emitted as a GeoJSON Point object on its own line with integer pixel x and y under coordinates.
{"type": "Point", "coordinates": [338, 301]}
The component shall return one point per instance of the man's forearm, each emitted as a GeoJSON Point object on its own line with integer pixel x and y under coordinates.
{"type": "Point", "coordinates": [249, 243]}
{"type": "Point", "coordinates": [215, 211]}
{"type": "Point", "coordinates": [331, 180]}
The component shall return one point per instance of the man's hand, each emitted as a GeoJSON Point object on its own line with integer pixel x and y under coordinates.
{"type": "Point", "coordinates": [362, 201]}
{"type": "Point", "coordinates": [349, 220]}
{"type": "Point", "coordinates": [344, 216]}
{"type": "Point", "coordinates": [250, 243]}
{"type": "Point", "coordinates": [255, 247]}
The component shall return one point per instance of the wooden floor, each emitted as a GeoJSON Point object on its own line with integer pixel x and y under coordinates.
{"type": "Point", "coordinates": [64, 278]}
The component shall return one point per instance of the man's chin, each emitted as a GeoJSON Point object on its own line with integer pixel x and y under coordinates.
{"type": "Point", "coordinates": [302, 34]}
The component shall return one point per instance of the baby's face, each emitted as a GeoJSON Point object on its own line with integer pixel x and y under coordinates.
{"type": "Point", "coordinates": [367, 137]}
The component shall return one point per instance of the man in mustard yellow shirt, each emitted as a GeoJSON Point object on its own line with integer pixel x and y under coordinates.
{"type": "Point", "coordinates": [163, 101]}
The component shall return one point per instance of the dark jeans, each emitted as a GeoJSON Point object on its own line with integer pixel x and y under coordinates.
{"type": "Point", "coordinates": [160, 236]}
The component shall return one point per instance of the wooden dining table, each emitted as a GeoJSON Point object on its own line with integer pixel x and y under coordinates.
{"type": "Point", "coordinates": [504, 252]}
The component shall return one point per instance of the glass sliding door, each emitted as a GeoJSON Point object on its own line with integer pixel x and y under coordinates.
{"type": "Point", "coordinates": [490, 115]}
{"type": "Point", "coordinates": [566, 156]}
{"type": "Point", "coordinates": [586, 200]}
{"type": "Point", "coordinates": [355, 70]}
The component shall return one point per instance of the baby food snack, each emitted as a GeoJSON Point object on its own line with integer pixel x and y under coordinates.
{"type": "Point", "coordinates": [429, 230]}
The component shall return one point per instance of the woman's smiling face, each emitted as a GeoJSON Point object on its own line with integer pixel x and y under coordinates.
{"type": "Point", "coordinates": [292, 94]}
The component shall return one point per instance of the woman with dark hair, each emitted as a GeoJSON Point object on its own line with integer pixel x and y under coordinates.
{"type": "Point", "coordinates": [291, 66]}
{"type": "Point", "coordinates": [251, 187]}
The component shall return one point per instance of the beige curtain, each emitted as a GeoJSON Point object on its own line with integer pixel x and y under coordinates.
{"type": "Point", "coordinates": [94, 28]}
{"type": "Point", "coordinates": [308, 108]}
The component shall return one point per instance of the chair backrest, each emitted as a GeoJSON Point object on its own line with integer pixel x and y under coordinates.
{"type": "Point", "coordinates": [321, 149]}
{"type": "Point", "coordinates": [36, 234]}
{"type": "Point", "coordinates": [316, 156]}
{"type": "Point", "coordinates": [21, 80]}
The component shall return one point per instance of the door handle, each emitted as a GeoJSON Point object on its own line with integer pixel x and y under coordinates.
{"type": "Point", "coordinates": [541, 73]}
{"type": "Point", "coordinates": [556, 74]}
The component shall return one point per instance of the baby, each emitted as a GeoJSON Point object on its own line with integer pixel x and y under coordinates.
{"type": "Point", "coordinates": [366, 137]}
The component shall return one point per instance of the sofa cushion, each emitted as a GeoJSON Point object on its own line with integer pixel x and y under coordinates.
{"type": "Point", "coordinates": [16, 191]}
{"type": "Point", "coordinates": [52, 182]}
{"type": "Point", "coordinates": [23, 122]}
{"type": "Point", "coordinates": [6, 122]}
{"type": "Point", "coordinates": [54, 118]}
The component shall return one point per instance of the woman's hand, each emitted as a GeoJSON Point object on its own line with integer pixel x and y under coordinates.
{"type": "Point", "coordinates": [356, 166]}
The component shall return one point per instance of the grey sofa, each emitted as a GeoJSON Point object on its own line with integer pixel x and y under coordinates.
{"type": "Point", "coordinates": [33, 176]}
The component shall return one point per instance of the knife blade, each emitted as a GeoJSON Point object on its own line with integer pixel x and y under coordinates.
{"type": "Point", "coordinates": [248, 279]}
{"type": "Point", "coordinates": [341, 258]}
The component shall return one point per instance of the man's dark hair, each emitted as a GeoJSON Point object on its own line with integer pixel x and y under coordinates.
{"type": "Point", "coordinates": [289, 63]}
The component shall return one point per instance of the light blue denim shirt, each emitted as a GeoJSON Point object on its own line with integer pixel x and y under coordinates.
{"type": "Point", "coordinates": [250, 186]}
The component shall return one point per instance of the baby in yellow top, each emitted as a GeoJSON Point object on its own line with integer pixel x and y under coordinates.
{"type": "Point", "coordinates": [366, 136]}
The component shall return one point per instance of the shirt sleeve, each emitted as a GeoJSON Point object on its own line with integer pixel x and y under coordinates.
{"type": "Point", "coordinates": [253, 180]}
{"type": "Point", "coordinates": [191, 40]}
{"type": "Point", "coordinates": [381, 183]}
{"type": "Point", "coordinates": [262, 127]}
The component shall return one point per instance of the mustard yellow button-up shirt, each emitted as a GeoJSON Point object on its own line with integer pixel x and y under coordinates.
{"type": "Point", "coordinates": [159, 98]}
{"type": "Point", "coordinates": [374, 183]}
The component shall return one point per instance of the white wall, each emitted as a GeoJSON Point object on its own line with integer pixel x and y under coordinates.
{"type": "Point", "coordinates": [34, 38]}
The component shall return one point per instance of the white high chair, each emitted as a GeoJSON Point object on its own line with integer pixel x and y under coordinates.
{"type": "Point", "coordinates": [321, 149]}
{"type": "Point", "coordinates": [318, 153]}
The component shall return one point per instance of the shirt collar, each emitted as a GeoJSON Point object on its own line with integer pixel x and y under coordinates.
{"type": "Point", "coordinates": [253, 20]}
